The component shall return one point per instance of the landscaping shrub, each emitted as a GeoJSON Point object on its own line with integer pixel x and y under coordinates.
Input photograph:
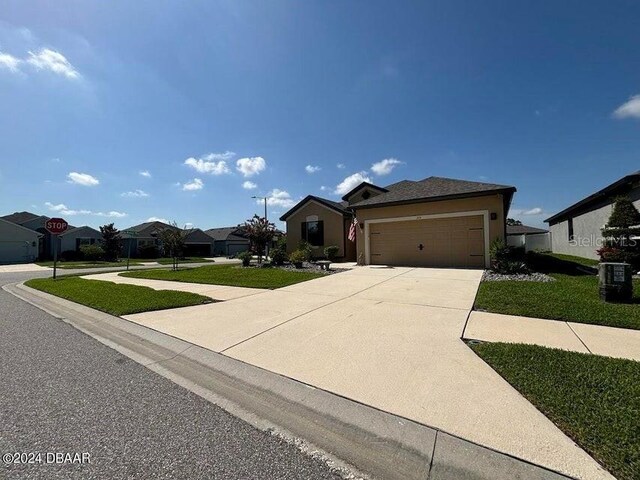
{"type": "Point", "coordinates": [69, 256]}
{"type": "Point", "coordinates": [297, 257]}
{"type": "Point", "coordinates": [245, 257]}
{"type": "Point", "coordinates": [279, 252]}
{"type": "Point", "coordinates": [306, 249]}
{"type": "Point", "coordinates": [92, 253]}
{"type": "Point", "coordinates": [148, 251]}
{"type": "Point", "coordinates": [505, 260]}
{"type": "Point", "coordinates": [331, 252]}
{"type": "Point", "coordinates": [620, 232]}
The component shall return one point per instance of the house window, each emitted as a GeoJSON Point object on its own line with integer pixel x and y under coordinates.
{"type": "Point", "coordinates": [570, 228]}
{"type": "Point", "coordinates": [313, 232]}
{"type": "Point", "coordinates": [84, 241]}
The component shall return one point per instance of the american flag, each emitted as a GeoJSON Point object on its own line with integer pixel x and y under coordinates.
{"type": "Point", "coordinates": [352, 230]}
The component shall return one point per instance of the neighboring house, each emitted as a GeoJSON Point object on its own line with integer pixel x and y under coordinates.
{"type": "Point", "coordinates": [145, 234]}
{"type": "Point", "coordinates": [229, 241]}
{"type": "Point", "coordinates": [18, 244]}
{"type": "Point", "coordinates": [576, 230]}
{"type": "Point", "coordinates": [198, 243]}
{"type": "Point", "coordinates": [75, 237]}
{"type": "Point", "coordinates": [34, 222]}
{"type": "Point", "coordinates": [431, 222]}
{"type": "Point", "coordinates": [530, 238]}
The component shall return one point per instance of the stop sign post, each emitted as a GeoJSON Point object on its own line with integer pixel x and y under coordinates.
{"type": "Point", "coordinates": [56, 226]}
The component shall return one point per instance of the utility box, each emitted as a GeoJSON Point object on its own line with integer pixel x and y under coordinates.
{"type": "Point", "coordinates": [616, 283]}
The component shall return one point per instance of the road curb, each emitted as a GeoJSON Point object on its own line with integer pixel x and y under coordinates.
{"type": "Point", "coordinates": [380, 444]}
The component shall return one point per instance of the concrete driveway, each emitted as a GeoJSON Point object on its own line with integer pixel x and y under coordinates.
{"type": "Point", "coordinates": [390, 338]}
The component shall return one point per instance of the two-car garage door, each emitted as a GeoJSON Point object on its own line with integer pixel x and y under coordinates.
{"type": "Point", "coordinates": [436, 242]}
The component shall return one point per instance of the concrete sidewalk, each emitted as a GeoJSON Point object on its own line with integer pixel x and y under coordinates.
{"type": "Point", "coordinates": [389, 338]}
{"type": "Point", "coordinates": [576, 337]}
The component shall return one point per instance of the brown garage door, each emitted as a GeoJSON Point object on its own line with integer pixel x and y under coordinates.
{"type": "Point", "coordinates": [441, 242]}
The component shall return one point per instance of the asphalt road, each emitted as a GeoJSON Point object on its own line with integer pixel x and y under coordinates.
{"type": "Point", "coordinates": [61, 391]}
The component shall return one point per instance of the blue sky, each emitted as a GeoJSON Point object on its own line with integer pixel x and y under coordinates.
{"type": "Point", "coordinates": [124, 111]}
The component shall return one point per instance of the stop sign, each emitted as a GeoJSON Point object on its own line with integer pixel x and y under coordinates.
{"type": "Point", "coordinates": [56, 225]}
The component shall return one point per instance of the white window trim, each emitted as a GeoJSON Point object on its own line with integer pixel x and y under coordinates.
{"type": "Point", "coordinates": [483, 213]}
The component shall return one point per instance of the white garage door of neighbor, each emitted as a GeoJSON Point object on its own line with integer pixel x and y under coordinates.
{"type": "Point", "coordinates": [437, 242]}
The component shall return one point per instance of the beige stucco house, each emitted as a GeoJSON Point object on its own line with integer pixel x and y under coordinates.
{"type": "Point", "coordinates": [437, 221]}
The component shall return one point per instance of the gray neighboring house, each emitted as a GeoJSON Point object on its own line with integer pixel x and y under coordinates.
{"type": "Point", "coordinates": [76, 237]}
{"type": "Point", "coordinates": [229, 241]}
{"type": "Point", "coordinates": [146, 234]}
{"type": "Point", "coordinates": [531, 238]}
{"type": "Point", "coordinates": [576, 230]}
{"type": "Point", "coordinates": [72, 239]}
{"type": "Point", "coordinates": [18, 244]}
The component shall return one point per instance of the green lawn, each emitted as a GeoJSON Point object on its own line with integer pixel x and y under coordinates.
{"type": "Point", "coordinates": [113, 298]}
{"type": "Point", "coordinates": [595, 400]}
{"type": "Point", "coordinates": [232, 275]}
{"type": "Point", "coordinates": [587, 262]}
{"type": "Point", "coordinates": [87, 264]}
{"type": "Point", "coordinates": [573, 298]}
{"type": "Point", "coordinates": [169, 261]}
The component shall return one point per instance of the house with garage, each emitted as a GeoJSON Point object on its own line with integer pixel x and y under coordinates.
{"type": "Point", "coordinates": [229, 241]}
{"type": "Point", "coordinates": [18, 244]}
{"type": "Point", "coordinates": [69, 241]}
{"type": "Point", "coordinates": [197, 243]}
{"type": "Point", "coordinates": [529, 238]}
{"type": "Point", "coordinates": [433, 222]}
{"type": "Point", "coordinates": [576, 230]}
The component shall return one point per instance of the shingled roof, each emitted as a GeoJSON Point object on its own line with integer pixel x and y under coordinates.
{"type": "Point", "coordinates": [224, 233]}
{"type": "Point", "coordinates": [340, 207]}
{"type": "Point", "coordinates": [20, 217]}
{"type": "Point", "coordinates": [430, 189]}
{"type": "Point", "coordinates": [524, 230]}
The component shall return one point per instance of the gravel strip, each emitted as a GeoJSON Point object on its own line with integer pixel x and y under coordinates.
{"type": "Point", "coordinates": [490, 276]}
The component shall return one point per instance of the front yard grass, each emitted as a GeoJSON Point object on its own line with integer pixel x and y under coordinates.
{"type": "Point", "coordinates": [231, 275]}
{"type": "Point", "coordinates": [114, 298]}
{"type": "Point", "coordinates": [586, 262]}
{"type": "Point", "coordinates": [86, 264]}
{"type": "Point", "coordinates": [595, 400]}
{"type": "Point", "coordinates": [169, 261]}
{"type": "Point", "coordinates": [571, 298]}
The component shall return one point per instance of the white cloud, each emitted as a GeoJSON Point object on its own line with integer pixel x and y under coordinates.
{"type": "Point", "coordinates": [278, 198]}
{"type": "Point", "coordinates": [533, 211]}
{"type": "Point", "coordinates": [157, 219]}
{"type": "Point", "coordinates": [341, 166]}
{"type": "Point", "coordinates": [9, 62]}
{"type": "Point", "coordinates": [145, 173]}
{"type": "Point", "coordinates": [249, 185]}
{"type": "Point", "coordinates": [351, 182]}
{"type": "Point", "coordinates": [212, 163]}
{"type": "Point", "coordinates": [629, 109]}
{"type": "Point", "coordinates": [213, 157]}
{"type": "Point", "coordinates": [517, 212]}
{"type": "Point", "coordinates": [47, 59]}
{"type": "Point", "coordinates": [323, 188]}
{"type": "Point", "coordinates": [135, 194]}
{"type": "Point", "coordinates": [195, 184]}
{"type": "Point", "coordinates": [384, 167]}
{"type": "Point", "coordinates": [312, 169]}
{"type": "Point", "coordinates": [82, 179]}
{"type": "Point", "coordinates": [62, 209]}
{"type": "Point", "coordinates": [251, 166]}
